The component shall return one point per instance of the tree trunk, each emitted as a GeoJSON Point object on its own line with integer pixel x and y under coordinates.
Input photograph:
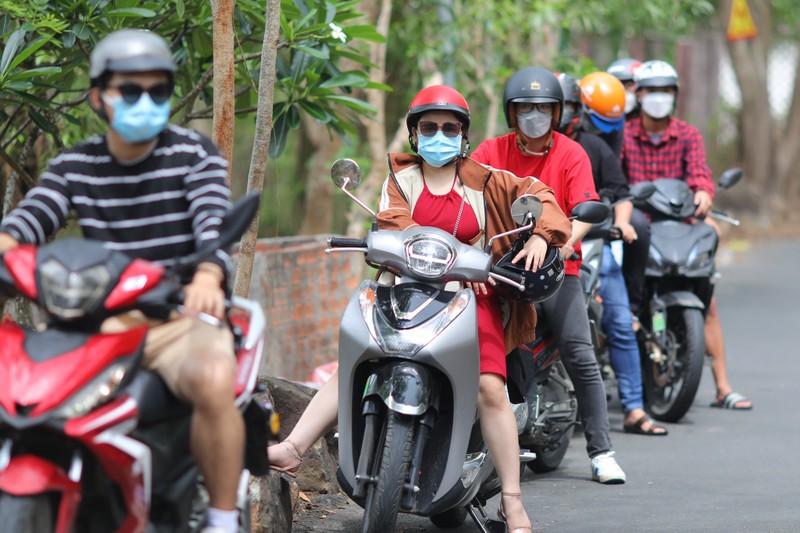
{"type": "Point", "coordinates": [788, 153]}
{"type": "Point", "coordinates": [749, 59]}
{"type": "Point", "coordinates": [258, 159]}
{"type": "Point", "coordinates": [224, 77]}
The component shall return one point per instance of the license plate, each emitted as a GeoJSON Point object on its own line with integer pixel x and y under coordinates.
{"type": "Point", "coordinates": [658, 322]}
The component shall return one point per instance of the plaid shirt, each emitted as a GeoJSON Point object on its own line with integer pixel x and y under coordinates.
{"type": "Point", "coordinates": [679, 154]}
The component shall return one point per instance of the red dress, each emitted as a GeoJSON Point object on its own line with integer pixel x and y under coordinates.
{"type": "Point", "coordinates": [442, 212]}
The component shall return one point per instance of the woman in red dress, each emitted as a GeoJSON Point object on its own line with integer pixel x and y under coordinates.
{"type": "Point", "coordinates": [443, 188]}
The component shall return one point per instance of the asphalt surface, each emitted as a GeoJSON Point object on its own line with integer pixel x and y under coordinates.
{"type": "Point", "coordinates": [717, 470]}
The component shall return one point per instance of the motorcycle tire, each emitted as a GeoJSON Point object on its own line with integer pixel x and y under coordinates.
{"type": "Point", "coordinates": [450, 518]}
{"type": "Point", "coordinates": [390, 474]}
{"type": "Point", "coordinates": [670, 387]}
{"type": "Point", "coordinates": [556, 389]}
{"type": "Point", "coordinates": [27, 514]}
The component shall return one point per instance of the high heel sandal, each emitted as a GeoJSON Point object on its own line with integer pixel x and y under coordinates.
{"type": "Point", "coordinates": [501, 513]}
{"type": "Point", "coordinates": [286, 447]}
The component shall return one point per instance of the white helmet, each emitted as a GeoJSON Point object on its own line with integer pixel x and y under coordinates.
{"type": "Point", "coordinates": [655, 74]}
{"type": "Point", "coordinates": [130, 51]}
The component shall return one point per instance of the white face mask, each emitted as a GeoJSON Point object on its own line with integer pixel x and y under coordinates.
{"type": "Point", "coordinates": [630, 101]}
{"type": "Point", "coordinates": [658, 105]}
{"type": "Point", "coordinates": [534, 124]}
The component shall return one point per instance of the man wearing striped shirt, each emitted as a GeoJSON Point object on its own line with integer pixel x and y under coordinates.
{"type": "Point", "coordinates": [155, 192]}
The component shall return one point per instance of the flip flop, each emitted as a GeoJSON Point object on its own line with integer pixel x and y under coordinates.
{"type": "Point", "coordinates": [637, 429]}
{"type": "Point", "coordinates": [731, 401]}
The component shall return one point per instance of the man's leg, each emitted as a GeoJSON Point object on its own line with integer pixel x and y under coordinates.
{"type": "Point", "coordinates": [715, 348]}
{"type": "Point", "coordinates": [217, 434]}
{"type": "Point", "coordinates": [566, 314]}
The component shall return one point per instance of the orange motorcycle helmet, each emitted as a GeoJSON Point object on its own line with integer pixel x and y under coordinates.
{"type": "Point", "coordinates": [603, 96]}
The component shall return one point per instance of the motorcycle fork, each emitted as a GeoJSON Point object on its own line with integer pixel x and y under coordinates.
{"type": "Point", "coordinates": [421, 436]}
{"type": "Point", "coordinates": [366, 459]}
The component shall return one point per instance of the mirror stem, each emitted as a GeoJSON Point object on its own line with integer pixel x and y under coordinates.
{"type": "Point", "coordinates": [356, 200]}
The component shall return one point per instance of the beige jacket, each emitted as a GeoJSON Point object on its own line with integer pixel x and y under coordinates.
{"type": "Point", "coordinates": [490, 192]}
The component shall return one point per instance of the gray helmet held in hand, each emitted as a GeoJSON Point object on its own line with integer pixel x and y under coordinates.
{"type": "Point", "coordinates": [130, 51]}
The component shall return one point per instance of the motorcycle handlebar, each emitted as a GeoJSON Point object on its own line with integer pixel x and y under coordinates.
{"type": "Point", "coordinates": [346, 242]}
{"type": "Point", "coordinates": [508, 277]}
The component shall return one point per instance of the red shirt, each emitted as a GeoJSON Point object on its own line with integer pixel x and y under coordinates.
{"type": "Point", "coordinates": [679, 154]}
{"type": "Point", "coordinates": [566, 169]}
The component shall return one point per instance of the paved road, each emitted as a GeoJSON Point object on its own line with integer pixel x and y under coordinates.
{"type": "Point", "coordinates": [717, 470]}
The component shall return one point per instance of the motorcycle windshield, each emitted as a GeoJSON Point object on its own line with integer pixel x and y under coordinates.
{"type": "Point", "coordinates": [678, 243]}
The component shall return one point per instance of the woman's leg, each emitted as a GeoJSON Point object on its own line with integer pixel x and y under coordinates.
{"type": "Point", "coordinates": [499, 430]}
{"type": "Point", "coordinates": [318, 417]}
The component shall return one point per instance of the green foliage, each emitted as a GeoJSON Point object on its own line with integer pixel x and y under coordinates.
{"type": "Point", "coordinates": [46, 45]}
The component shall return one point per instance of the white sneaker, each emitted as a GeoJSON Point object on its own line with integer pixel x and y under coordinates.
{"type": "Point", "coordinates": [214, 530]}
{"type": "Point", "coordinates": [606, 470]}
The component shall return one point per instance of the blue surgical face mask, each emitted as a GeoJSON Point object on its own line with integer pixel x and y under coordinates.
{"type": "Point", "coordinates": [140, 121]}
{"type": "Point", "coordinates": [438, 150]}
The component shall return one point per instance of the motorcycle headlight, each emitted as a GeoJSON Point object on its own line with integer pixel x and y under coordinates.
{"type": "Point", "coordinates": [698, 260]}
{"type": "Point", "coordinates": [97, 392]}
{"type": "Point", "coordinates": [654, 259]}
{"type": "Point", "coordinates": [68, 294]}
{"type": "Point", "coordinates": [407, 341]}
{"type": "Point", "coordinates": [429, 255]}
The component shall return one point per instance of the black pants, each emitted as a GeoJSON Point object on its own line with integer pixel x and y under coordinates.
{"type": "Point", "coordinates": [634, 260]}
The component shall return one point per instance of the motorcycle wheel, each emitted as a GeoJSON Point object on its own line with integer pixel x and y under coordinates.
{"type": "Point", "coordinates": [383, 496]}
{"type": "Point", "coordinates": [26, 514]}
{"type": "Point", "coordinates": [671, 385]}
{"type": "Point", "coordinates": [450, 518]}
{"type": "Point", "coordinates": [557, 389]}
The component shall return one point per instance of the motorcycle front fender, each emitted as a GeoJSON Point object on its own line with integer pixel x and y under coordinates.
{"type": "Point", "coordinates": [403, 386]}
{"type": "Point", "coordinates": [681, 299]}
{"type": "Point", "coordinates": [28, 475]}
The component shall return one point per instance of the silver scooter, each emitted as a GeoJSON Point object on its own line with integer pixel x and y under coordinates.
{"type": "Point", "coordinates": [409, 436]}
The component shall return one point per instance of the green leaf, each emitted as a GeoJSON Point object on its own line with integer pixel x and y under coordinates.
{"type": "Point", "coordinates": [127, 12]}
{"type": "Point", "coordinates": [379, 86]}
{"type": "Point", "coordinates": [353, 103]}
{"type": "Point", "coordinates": [358, 58]}
{"type": "Point", "coordinates": [34, 72]}
{"type": "Point", "coordinates": [180, 8]}
{"type": "Point", "coordinates": [346, 79]}
{"type": "Point", "coordinates": [10, 50]}
{"type": "Point", "coordinates": [277, 141]}
{"type": "Point", "coordinates": [313, 52]}
{"type": "Point", "coordinates": [27, 52]}
{"type": "Point", "coordinates": [44, 124]}
{"type": "Point", "coordinates": [317, 112]}
{"type": "Point", "coordinates": [365, 32]}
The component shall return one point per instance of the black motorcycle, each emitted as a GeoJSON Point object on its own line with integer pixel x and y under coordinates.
{"type": "Point", "coordinates": [680, 277]}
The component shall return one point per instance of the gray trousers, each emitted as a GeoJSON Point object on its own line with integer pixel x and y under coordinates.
{"type": "Point", "coordinates": [566, 315]}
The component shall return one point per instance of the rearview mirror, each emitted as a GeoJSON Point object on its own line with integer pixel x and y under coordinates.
{"type": "Point", "coordinates": [730, 178]}
{"type": "Point", "coordinates": [346, 173]}
{"type": "Point", "coordinates": [591, 212]}
{"type": "Point", "coordinates": [526, 207]}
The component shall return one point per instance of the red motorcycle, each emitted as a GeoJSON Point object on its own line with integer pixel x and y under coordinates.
{"type": "Point", "coordinates": [89, 440]}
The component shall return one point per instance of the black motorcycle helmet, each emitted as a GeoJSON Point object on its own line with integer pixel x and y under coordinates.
{"type": "Point", "coordinates": [534, 85]}
{"type": "Point", "coordinates": [572, 115]}
{"type": "Point", "coordinates": [540, 284]}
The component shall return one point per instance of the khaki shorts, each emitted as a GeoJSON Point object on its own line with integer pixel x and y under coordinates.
{"type": "Point", "coordinates": [169, 345]}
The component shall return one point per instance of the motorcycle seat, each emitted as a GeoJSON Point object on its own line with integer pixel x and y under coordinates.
{"type": "Point", "coordinates": [155, 401]}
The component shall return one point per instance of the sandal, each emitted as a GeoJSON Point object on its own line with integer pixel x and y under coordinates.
{"type": "Point", "coordinates": [732, 401]}
{"type": "Point", "coordinates": [286, 453]}
{"type": "Point", "coordinates": [638, 427]}
{"type": "Point", "coordinates": [501, 513]}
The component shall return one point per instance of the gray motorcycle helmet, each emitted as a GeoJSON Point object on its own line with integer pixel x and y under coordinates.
{"type": "Point", "coordinates": [534, 85]}
{"type": "Point", "coordinates": [130, 51]}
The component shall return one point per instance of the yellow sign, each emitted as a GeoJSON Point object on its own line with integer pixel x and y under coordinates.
{"type": "Point", "coordinates": [740, 23]}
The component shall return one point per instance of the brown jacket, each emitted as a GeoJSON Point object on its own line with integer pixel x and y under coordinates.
{"type": "Point", "coordinates": [490, 192]}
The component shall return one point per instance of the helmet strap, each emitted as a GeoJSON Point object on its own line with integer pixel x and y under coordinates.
{"type": "Point", "coordinates": [524, 149]}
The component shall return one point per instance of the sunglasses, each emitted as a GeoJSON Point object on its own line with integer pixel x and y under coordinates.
{"type": "Point", "coordinates": [131, 92]}
{"type": "Point", "coordinates": [527, 107]}
{"type": "Point", "coordinates": [428, 129]}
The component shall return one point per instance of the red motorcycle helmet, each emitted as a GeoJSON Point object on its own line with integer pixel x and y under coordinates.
{"type": "Point", "coordinates": [437, 98]}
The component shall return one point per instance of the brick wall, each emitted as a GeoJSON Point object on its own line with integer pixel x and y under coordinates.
{"type": "Point", "coordinates": [304, 293]}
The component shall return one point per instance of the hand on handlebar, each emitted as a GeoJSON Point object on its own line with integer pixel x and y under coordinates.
{"type": "Point", "coordinates": [533, 252]}
{"type": "Point", "coordinates": [568, 251]}
{"type": "Point", "coordinates": [205, 295]}
{"type": "Point", "coordinates": [703, 201]}
{"type": "Point", "coordinates": [628, 233]}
